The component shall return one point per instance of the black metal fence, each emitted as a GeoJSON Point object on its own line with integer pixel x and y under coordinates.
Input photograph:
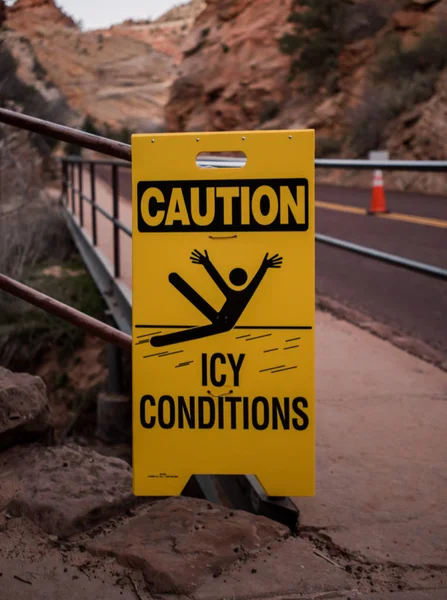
{"type": "Point", "coordinates": [78, 197]}
{"type": "Point", "coordinates": [71, 165]}
{"type": "Point", "coordinates": [73, 169]}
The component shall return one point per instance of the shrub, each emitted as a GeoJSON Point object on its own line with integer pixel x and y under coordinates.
{"type": "Point", "coordinates": [325, 146]}
{"type": "Point", "coordinates": [382, 104]}
{"type": "Point", "coordinates": [39, 71]}
{"type": "Point", "coordinates": [369, 119]}
{"type": "Point", "coordinates": [122, 134]}
{"type": "Point", "coordinates": [90, 126]}
{"type": "Point", "coordinates": [395, 62]}
{"type": "Point", "coordinates": [317, 39]}
{"type": "Point", "coordinates": [400, 79]}
{"type": "Point", "coordinates": [14, 90]}
{"type": "Point", "coordinates": [269, 111]}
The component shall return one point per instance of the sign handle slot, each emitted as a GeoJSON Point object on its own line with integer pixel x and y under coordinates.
{"type": "Point", "coordinates": [221, 160]}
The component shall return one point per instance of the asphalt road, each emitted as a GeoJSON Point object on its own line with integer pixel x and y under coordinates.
{"type": "Point", "coordinates": [414, 304]}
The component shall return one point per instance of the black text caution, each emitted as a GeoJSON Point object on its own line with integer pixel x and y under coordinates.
{"type": "Point", "coordinates": [225, 205]}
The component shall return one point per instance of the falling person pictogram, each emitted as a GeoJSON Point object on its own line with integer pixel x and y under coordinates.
{"type": "Point", "coordinates": [235, 303]}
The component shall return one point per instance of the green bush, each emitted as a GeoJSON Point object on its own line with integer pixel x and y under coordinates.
{"type": "Point", "coordinates": [27, 97]}
{"type": "Point", "coordinates": [89, 126]}
{"type": "Point", "coordinates": [27, 333]}
{"type": "Point", "coordinates": [39, 71]}
{"type": "Point", "coordinates": [368, 121]}
{"type": "Point", "coordinates": [325, 146]}
{"type": "Point", "coordinates": [269, 111]}
{"type": "Point", "coordinates": [400, 79]}
{"type": "Point", "coordinates": [121, 134]}
{"type": "Point", "coordinates": [317, 38]}
{"type": "Point", "coordinates": [396, 63]}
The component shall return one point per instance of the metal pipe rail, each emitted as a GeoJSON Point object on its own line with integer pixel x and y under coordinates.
{"type": "Point", "coordinates": [106, 275]}
{"type": "Point", "coordinates": [68, 313]}
{"type": "Point", "coordinates": [392, 259]}
{"type": "Point", "coordinates": [69, 164]}
{"type": "Point", "coordinates": [124, 151]}
{"type": "Point", "coordinates": [66, 134]}
{"type": "Point", "coordinates": [433, 166]}
{"type": "Point", "coordinates": [68, 185]}
{"type": "Point", "coordinates": [73, 159]}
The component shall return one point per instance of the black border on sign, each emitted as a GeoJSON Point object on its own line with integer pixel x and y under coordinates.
{"type": "Point", "coordinates": [166, 189]}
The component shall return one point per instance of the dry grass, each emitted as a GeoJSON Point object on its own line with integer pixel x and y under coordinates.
{"type": "Point", "coordinates": [31, 227]}
{"type": "Point", "coordinates": [33, 237]}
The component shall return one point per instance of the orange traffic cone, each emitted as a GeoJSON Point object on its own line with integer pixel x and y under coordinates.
{"type": "Point", "coordinates": [378, 201]}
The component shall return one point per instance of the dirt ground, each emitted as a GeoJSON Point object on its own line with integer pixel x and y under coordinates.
{"type": "Point", "coordinates": [375, 530]}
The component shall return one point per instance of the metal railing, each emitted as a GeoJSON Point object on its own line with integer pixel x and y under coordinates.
{"type": "Point", "coordinates": [433, 166]}
{"type": "Point", "coordinates": [74, 167]}
{"type": "Point", "coordinates": [74, 198]}
{"type": "Point", "coordinates": [108, 279]}
{"type": "Point", "coordinates": [68, 178]}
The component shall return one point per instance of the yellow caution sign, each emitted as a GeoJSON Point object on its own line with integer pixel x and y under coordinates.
{"type": "Point", "coordinates": [223, 311]}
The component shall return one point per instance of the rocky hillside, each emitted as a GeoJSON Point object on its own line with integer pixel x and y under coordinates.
{"type": "Point", "coordinates": [167, 33]}
{"type": "Point", "coordinates": [29, 14]}
{"type": "Point", "coordinates": [120, 77]}
{"type": "Point", "coordinates": [377, 78]}
{"type": "Point", "coordinates": [232, 73]}
{"type": "Point", "coordinates": [373, 74]}
{"type": "Point", "coordinates": [24, 86]}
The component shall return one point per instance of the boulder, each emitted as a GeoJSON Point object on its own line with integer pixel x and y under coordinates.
{"type": "Point", "coordinates": [24, 411]}
{"type": "Point", "coordinates": [66, 489]}
{"type": "Point", "coordinates": [178, 542]}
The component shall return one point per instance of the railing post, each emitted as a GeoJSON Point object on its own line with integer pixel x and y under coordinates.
{"type": "Point", "coordinates": [64, 181]}
{"type": "Point", "coordinates": [93, 199]}
{"type": "Point", "coordinates": [116, 231]}
{"type": "Point", "coordinates": [73, 203]}
{"type": "Point", "coordinates": [81, 211]}
{"type": "Point", "coordinates": [113, 408]}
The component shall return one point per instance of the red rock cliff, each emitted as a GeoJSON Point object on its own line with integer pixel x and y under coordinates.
{"type": "Point", "coordinates": [233, 75]}
{"type": "Point", "coordinates": [27, 14]}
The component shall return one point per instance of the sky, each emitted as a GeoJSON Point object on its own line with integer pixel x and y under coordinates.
{"type": "Point", "coordinates": [96, 14]}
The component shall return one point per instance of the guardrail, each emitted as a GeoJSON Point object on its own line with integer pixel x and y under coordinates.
{"type": "Point", "coordinates": [106, 275]}
{"type": "Point", "coordinates": [107, 278]}
{"type": "Point", "coordinates": [434, 166]}
{"type": "Point", "coordinates": [117, 296]}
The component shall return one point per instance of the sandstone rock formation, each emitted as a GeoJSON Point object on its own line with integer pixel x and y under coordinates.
{"type": "Point", "coordinates": [27, 14]}
{"type": "Point", "coordinates": [167, 33]}
{"type": "Point", "coordinates": [24, 411]}
{"type": "Point", "coordinates": [64, 489]}
{"type": "Point", "coordinates": [219, 67]}
{"type": "Point", "coordinates": [233, 75]}
{"type": "Point", "coordinates": [178, 542]}
{"type": "Point", "coordinates": [120, 76]}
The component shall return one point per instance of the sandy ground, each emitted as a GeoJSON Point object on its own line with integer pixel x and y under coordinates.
{"type": "Point", "coordinates": [379, 514]}
{"type": "Point", "coordinates": [375, 530]}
